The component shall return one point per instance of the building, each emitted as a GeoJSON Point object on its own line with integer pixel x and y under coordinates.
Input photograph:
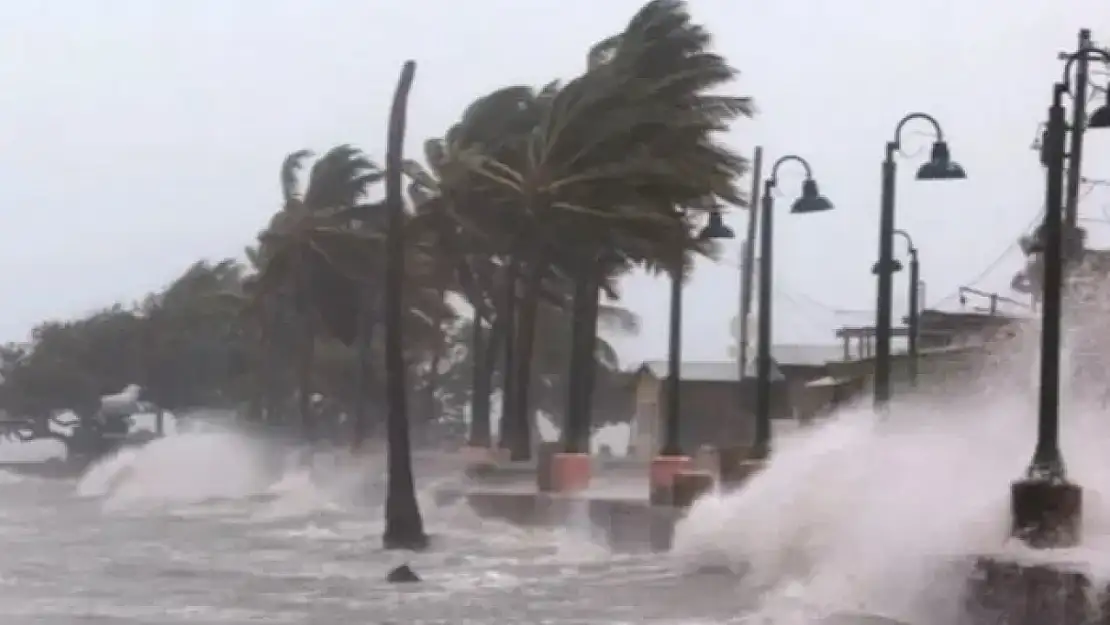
{"type": "Point", "coordinates": [718, 406]}
{"type": "Point", "coordinates": [951, 350]}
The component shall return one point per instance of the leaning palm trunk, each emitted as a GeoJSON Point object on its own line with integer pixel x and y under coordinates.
{"type": "Point", "coordinates": [404, 527]}
{"type": "Point", "coordinates": [521, 446]}
{"type": "Point", "coordinates": [585, 309]}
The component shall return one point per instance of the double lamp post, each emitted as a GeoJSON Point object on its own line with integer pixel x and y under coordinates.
{"type": "Point", "coordinates": [1046, 507]}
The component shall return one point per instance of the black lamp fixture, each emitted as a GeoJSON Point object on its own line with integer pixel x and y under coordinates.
{"type": "Point", "coordinates": [811, 200]}
{"type": "Point", "coordinates": [716, 228]}
{"type": "Point", "coordinates": [1101, 117]}
{"type": "Point", "coordinates": [940, 165]}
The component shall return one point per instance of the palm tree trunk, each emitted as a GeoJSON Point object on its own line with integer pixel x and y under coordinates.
{"type": "Point", "coordinates": [592, 309]}
{"type": "Point", "coordinates": [507, 433]}
{"type": "Point", "coordinates": [576, 433]}
{"type": "Point", "coordinates": [361, 430]}
{"type": "Point", "coordinates": [576, 424]}
{"type": "Point", "coordinates": [404, 527]}
{"type": "Point", "coordinates": [479, 435]}
{"type": "Point", "coordinates": [521, 449]}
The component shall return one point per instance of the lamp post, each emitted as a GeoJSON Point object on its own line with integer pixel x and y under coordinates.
{"type": "Point", "coordinates": [670, 460]}
{"type": "Point", "coordinates": [914, 329]}
{"type": "Point", "coordinates": [1045, 506]}
{"type": "Point", "coordinates": [672, 445]}
{"type": "Point", "coordinates": [939, 167]}
{"type": "Point", "coordinates": [811, 201]}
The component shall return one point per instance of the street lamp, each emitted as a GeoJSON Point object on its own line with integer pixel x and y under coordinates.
{"type": "Point", "coordinates": [940, 166]}
{"type": "Point", "coordinates": [1082, 57]}
{"type": "Point", "coordinates": [914, 329]}
{"type": "Point", "coordinates": [1045, 506]}
{"type": "Point", "coordinates": [811, 201]}
{"type": "Point", "coordinates": [672, 445]}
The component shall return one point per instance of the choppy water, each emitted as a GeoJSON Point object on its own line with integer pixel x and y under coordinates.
{"type": "Point", "coordinates": [860, 514]}
{"type": "Point", "coordinates": [203, 528]}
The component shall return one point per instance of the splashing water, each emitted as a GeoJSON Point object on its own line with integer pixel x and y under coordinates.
{"type": "Point", "coordinates": [187, 468]}
{"type": "Point", "coordinates": [882, 515]}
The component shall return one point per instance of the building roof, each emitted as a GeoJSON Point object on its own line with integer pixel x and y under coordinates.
{"type": "Point", "coordinates": [728, 371]}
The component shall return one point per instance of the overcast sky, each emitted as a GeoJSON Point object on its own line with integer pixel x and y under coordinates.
{"type": "Point", "coordinates": [140, 136]}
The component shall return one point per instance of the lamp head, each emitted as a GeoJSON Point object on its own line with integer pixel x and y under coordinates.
{"type": "Point", "coordinates": [811, 201]}
{"type": "Point", "coordinates": [716, 228]}
{"type": "Point", "coordinates": [940, 165]}
{"type": "Point", "coordinates": [1101, 117]}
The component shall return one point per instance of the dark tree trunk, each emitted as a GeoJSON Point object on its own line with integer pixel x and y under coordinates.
{"type": "Point", "coordinates": [576, 432]}
{"type": "Point", "coordinates": [507, 433]}
{"type": "Point", "coordinates": [363, 374]}
{"type": "Point", "coordinates": [480, 431]}
{"type": "Point", "coordinates": [404, 527]}
{"type": "Point", "coordinates": [521, 449]}
{"type": "Point", "coordinates": [592, 308]}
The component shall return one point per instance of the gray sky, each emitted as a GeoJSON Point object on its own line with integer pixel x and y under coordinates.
{"type": "Point", "coordinates": [143, 135]}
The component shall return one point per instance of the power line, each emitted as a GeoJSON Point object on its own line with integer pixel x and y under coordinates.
{"type": "Point", "coordinates": [993, 264]}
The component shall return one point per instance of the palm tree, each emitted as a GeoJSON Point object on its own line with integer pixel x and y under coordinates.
{"type": "Point", "coordinates": [404, 527]}
{"type": "Point", "coordinates": [598, 181]}
{"type": "Point", "coordinates": [308, 255]}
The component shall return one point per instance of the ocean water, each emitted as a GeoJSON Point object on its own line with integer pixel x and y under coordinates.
{"type": "Point", "coordinates": [211, 527]}
{"type": "Point", "coordinates": [858, 515]}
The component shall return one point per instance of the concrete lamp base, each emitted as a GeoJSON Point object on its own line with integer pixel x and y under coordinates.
{"type": "Point", "coordinates": [570, 473]}
{"type": "Point", "coordinates": [661, 477]}
{"type": "Point", "coordinates": [689, 486]}
{"type": "Point", "coordinates": [1047, 514]}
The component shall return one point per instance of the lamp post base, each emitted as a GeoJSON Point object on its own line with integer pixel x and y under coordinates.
{"type": "Point", "coordinates": [1047, 513]}
{"type": "Point", "coordinates": [661, 477]}
{"type": "Point", "coordinates": [570, 473]}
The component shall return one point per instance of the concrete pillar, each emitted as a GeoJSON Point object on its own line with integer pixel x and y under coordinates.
{"type": "Point", "coordinates": [1047, 514]}
{"type": "Point", "coordinates": [570, 473]}
{"type": "Point", "coordinates": [661, 477]}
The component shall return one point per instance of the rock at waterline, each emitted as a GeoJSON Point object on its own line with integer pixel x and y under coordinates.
{"type": "Point", "coordinates": [402, 575]}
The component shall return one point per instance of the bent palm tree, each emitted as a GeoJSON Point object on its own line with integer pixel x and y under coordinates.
{"type": "Point", "coordinates": [308, 256]}
{"type": "Point", "coordinates": [599, 180]}
{"type": "Point", "coordinates": [404, 527]}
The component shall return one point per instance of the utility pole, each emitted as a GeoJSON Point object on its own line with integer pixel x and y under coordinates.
{"type": "Point", "coordinates": [747, 263]}
{"type": "Point", "coordinates": [1078, 125]}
